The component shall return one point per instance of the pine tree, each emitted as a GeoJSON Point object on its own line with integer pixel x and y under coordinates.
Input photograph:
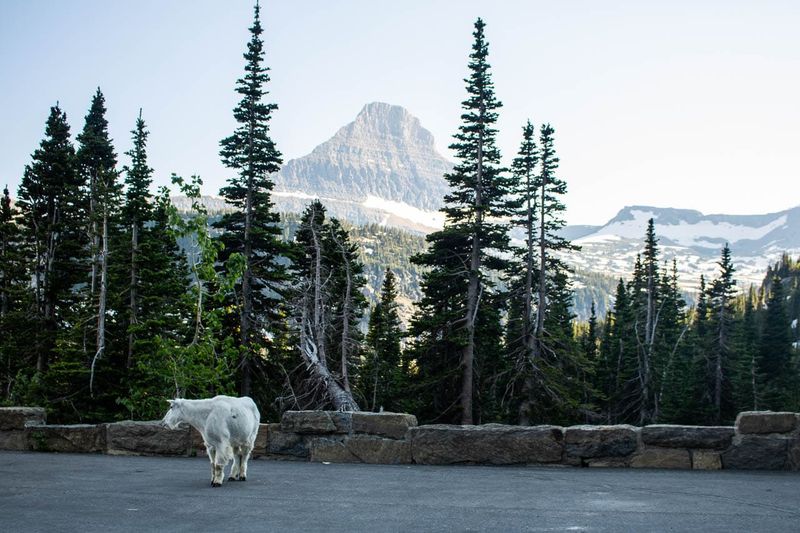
{"type": "Point", "coordinates": [774, 351]}
{"type": "Point", "coordinates": [746, 378]}
{"type": "Point", "coordinates": [253, 230]}
{"type": "Point", "coordinates": [52, 215]}
{"type": "Point", "coordinates": [136, 213]}
{"type": "Point", "coordinates": [347, 302]}
{"type": "Point", "coordinates": [14, 299]}
{"type": "Point", "coordinates": [97, 162]}
{"type": "Point", "coordinates": [382, 374]}
{"type": "Point", "coordinates": [721, 326]}
{"type": "Point", "coordinates": [552, 359]}
{"type": "Point", "coordinates": [472, 230]}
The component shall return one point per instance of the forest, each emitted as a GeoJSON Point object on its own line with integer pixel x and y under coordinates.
{"type": "Point", "coordinates": [113, 301]}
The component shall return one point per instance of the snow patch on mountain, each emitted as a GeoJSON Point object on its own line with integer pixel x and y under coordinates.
{"type": "Point", "coordinates": [430, 219]}
{"type": "Point", "coordinates": [702, 233]}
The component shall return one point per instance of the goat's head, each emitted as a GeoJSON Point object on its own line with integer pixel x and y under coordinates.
{"type": "Point", "coordinates": [174, 417]}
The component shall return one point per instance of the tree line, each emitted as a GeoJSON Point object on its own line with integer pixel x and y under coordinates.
{"type": "Point", "coordinates": [112, 301]}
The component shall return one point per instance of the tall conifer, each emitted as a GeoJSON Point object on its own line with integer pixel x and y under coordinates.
{"type": "Point", "coordinates": [252, 229]}
{"type": "Point", "coordinates": [478, 198]}
{"type": "Point", "coordinates": [50, 201]}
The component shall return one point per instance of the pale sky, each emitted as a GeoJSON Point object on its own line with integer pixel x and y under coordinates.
{"type": "Point", "coordinates": [688, 104]}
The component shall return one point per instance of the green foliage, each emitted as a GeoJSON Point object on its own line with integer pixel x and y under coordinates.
{"type": "Point", "coordinates": [198, 360]}
{"type": "Point", "coordinates": [383, 373]}
{"type": "Point", "coordinates": [256, 309]}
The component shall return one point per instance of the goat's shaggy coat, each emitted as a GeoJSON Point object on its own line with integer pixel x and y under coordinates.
{"type": "Point", "coordinates": [229, 427]}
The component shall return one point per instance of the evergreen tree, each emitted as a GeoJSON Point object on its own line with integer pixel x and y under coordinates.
{"type": "Point", "coordinates": [137, 212]}
{"type": "Point", "coordinates": [252, 230]}
{"type": "Point", "coordinates": [51, 215]}
{"type": "Point", "coordinates": [624, 393]}
{"type": "Point", "coordinates": [472, 229]}
{"type": "Point", "coordinates": [774, 351]}
{"type": "Point", "coordinates": [522, 316]}
{"type": "Point", "coordinates": [382, 374]}
{"type": "Point", "coordinates": [347, 302]}
{"type": "Point", "coordinates": [194, 356]}
{"type": "Point", "coordinates": [552, 359]}
{"type": "Point", "coordinates": [646, 300]}
{"type": "Point", "coordinates": [720, 346]}
{"type": "Point", "coordinates": [97, 162]}
{"type": "Point", "coordinates": [746, 379]}
{"type": "Point", "coordinates": [14, 299]}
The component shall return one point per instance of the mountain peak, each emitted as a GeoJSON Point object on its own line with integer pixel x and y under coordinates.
{"type": "Point", "coordinates": [387, 124]}
{"type": "Point", "coordinates": [383, 153]}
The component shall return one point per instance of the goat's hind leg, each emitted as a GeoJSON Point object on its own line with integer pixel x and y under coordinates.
{"type": "Point", "coordinates": [243, 458]}
{"type": "Point", "coordinates": [236, 468]}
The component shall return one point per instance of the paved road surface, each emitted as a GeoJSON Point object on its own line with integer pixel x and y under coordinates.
{"type": "Point", "coordinates": [88, 493]}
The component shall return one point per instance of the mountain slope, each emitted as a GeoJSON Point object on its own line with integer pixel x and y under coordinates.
{"type": "Point", "coordinates": [693, 239]}
{"type": "Point", "coordinates": [382, 167]}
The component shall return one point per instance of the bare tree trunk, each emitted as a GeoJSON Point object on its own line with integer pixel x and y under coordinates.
{"type": "Point", "coordinates": [247, 275]}
{"type": "Point", "coordinates": [718, 362]}
{"type": "Point", "coordinates": [101, 307]}
{"type": "Point", "coordinates": [312, 333]}
{"type": "Point", "coordinates": [46, 298]}
{"type": "Point", "coordinates": [342, 399]}
{"type": "Point", "coordinates": [133, 318]}
{"type": "Point", "coordinates": [346, 327]}
{"type": "Point", "coordinates": [318, 303]}
{"type": "Point", "coordinates": [529, 338]}
{"type": "Point", "coordinates": [541, 303]}
{"type": "Point", "coordinates": [247, 294]}
{"type": "Point", "coordinates": [473, 294]}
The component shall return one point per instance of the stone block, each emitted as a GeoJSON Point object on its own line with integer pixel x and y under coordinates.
{"type": "Point", "coordinates": [757, 452]}
{"type": "Point", "coordinates": [284, 443]}
{"type": "Point", "coordinates": [260, 446]}
{"type": "Point", "coordinates": [587, 442]}
{"type": "Point", "coordinates": [392, 425]}
{"type": "Point", "coordinates": [147, 438]}
{"type": "Point", "coordinates": [794, 454]}
{"type": "Point", "coordinates": [607, 462]}
{"type": "Point", "coordinates": [197, 445]}
{"type": "Point", "coordinates": [316, 422]}
{"type": "Point", "coordinates": [760, 422]}
{"type": "Point", "coordinates": [360, 449]}
{"type": "Point", "coordinates": [13, 439]}
{"type": "Point", "coordinates": [19, 417]}
{"type": "Point", "coordinates": [706, 460]}
{"type": "Point", "coordinates": [669, 436]}
{"type": "Point", "coordinates": [653, 457]}
{"type": "Point", "coordinates": [487, 444]}
{"type": "Point", "coordinates": [78, 438]}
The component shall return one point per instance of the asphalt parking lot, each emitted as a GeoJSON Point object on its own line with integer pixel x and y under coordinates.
{"type": "Point", "coordinates": [87, 493]}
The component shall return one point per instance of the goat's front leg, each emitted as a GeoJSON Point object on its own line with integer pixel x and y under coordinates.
{"type": "Point", "coordinates": [212, 456]}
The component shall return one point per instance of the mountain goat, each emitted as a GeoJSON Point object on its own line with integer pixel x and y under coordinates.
{"type": "Point", "coordinates": [229, 427]}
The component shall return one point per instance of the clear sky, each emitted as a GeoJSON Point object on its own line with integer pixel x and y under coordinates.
{"type": "Point", "coordinates": [691, 104]}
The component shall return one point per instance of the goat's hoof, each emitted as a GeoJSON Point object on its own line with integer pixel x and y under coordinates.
{"type": "Point", "coordinates": [243, 478]}
{"type": "Point", "coordinates": [232, 479]}
{"type": "Point", "coordinates": [213, 484]}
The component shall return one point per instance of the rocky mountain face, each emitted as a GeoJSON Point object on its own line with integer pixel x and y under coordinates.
{"type": "Point", "coordinates": [695, 240]}
{"type": "Point", "coordinates": [383, 167]}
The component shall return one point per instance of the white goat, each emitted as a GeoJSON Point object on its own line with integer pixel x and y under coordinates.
{"type": "Point", "coordinates": [229, 427]}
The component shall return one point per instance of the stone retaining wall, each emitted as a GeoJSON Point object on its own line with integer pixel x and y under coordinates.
{"type": "Point", "coordinates": [759, 440]}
